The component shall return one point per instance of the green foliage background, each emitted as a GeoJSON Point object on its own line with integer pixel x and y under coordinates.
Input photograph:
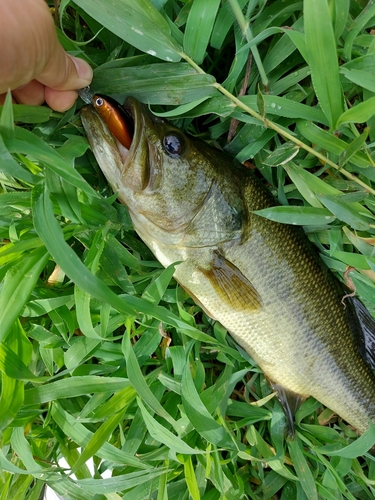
{"type": "Point", "coordinates": [102, 355]}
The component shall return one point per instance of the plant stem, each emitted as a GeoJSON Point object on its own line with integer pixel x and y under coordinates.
{"type": "Point", "coordinates": [280, 130]}
{"type": "Point", "coordinates": [247, 33]}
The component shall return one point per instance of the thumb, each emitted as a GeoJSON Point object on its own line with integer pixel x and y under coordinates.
{"type": "Point", "coordinates": [65, 72]}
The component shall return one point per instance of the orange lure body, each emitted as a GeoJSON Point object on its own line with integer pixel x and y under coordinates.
{"type": "Point", "coordinates": [114, 117]}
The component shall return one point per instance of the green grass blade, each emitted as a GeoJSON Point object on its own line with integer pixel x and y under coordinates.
{"type": "Point", "coordinates": [199, 26]}
{"type": "Point", "coordinates": [111, 262]}
{"type": "Point", "coordinates": [97, 440]}
{"type": "Point", "coordinates": [82, 300]}
{"type": "Point", "coordinates": [161, 83]}
{"type": "Point", "coordinates": [119, 400]}
{"type": "Point", "coordinates": [224, 23]}
{"type": "Point", "coordinates": [356, 145]}
{"type": "Point", "coordinates": [78, 433]}
{"type": "Point", "coordinates": [66, 196]}
{"type": "Point", "coordinates": [341, 16]}
{"type": "Point", "coordinates": [282, 155]}
{"type": "Point", "coordinates": [6, 118]}
{"type": "Point", "coordinates": [19, 282]}
{"type": "Point", "coordinates": [330, 142]}
{"type": "Point", "coordinates": [163, 435]}
{"type": "Point", "coordinates": [28, 143]}
{"type": "Point", "coordinates": [24, 451]}
{"type": "Point", "coordinates": [303, 470]}
{"type": "Point", "coordinates": [302, 216]}
{"type": "Point", "coordinates": [350, 213]}
{"type": "Point", "coordinates": [119, 483]}
{"type": "Point", "coordinates": [190, 478]}
{"type": "Point", "coordinates": [162, 487]}
{"type": "Point", "coordinates": [138, 23]}
{"type": "Point", "coordinates": [11, 399]}
{"type": "Point", "coordinates": [67, 489]}
{"type": "Point", "coordinates": [362, 78]}
{"type": "Point", "coordinates": [365, 15]}
{"type": "Point", "coordinates": [80, 351]}
{"type": "Point", "coordinates": [30, 114]}
{"type": "Point", "coordinates": [140, 385]}
{"type": "Point", "coordinates": [358, 114]}
{"type": "Point", "coordinates": [155, 291]}
{"type": "Point", "coordinates": [355, 260]}
{"type": "Point", "coordinates": [247, 33]}
{"type": "Point", "coordinates": [356, 449]}
{"type": "Point", "coordinates": [12, 168]}
{"type": "Point", "coordinates": [14, 358]}
{"type": "Point", "coordinates": [74, 387]}
{"type": "Point", "coordinates": [13, 366]}
{"type": "Point", "coordinates": [198, 414]}
{"type": "Point", "coordinates": [8, 466]}
{"type": "Point", "coordinates": [322, 58]}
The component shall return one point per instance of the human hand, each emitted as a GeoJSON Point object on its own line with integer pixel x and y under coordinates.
{"type": "Point", "coordinates": [33, 64]}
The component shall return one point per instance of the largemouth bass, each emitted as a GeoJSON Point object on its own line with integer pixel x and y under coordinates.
{"type": "Point", "coordinates": [194, 205]}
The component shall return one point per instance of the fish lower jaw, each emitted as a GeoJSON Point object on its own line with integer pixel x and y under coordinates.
{"type": "Point", "coordinates": [124, 152]}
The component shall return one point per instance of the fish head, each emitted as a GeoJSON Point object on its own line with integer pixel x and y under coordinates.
{"type": "Point", "coordinates": [172, 184]}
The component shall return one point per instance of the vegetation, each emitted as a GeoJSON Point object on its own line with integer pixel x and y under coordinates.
{"type": "Point", "coordinates": [102, 355]}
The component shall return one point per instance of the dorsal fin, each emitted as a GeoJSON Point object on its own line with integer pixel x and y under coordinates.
{"type": "Point", "coordinates": [363, 329]}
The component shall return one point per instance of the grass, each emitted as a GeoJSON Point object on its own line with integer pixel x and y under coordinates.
{"type": "Point", "coordinates": [102, 355]}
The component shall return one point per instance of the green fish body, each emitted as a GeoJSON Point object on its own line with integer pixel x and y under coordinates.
{"type": "Point", "coordinates": [193, 204]}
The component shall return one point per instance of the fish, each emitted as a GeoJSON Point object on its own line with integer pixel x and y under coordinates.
{"type": "Point", "coordinates": [193, 205]}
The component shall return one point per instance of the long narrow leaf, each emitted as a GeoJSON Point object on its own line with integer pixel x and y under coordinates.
{"type": "Point", "coordinates": [119, 483]}
{"type": "Point", "coordinates": [74, 387]}
{"type": "Point", "coordinates": [163, 435]}
{"type": "Point", "coordinates": [139, 23]}
{"type": "Point", "coordinates": [297, 215]}
{"type": "Point", "coordinates": [322, 58]}
{"type": "Point", "coordinates": [356, 449]}
{"type": "Point", "coordinates": [14, 367]}
{"type": "Point", "coordinates": [199, 27]}
{"type": "Point", "coordinates": [140, 385]}
{"type": "Point", "coordinates": [97, 440]}
{"type": "Point", "coordinates": [199, 415]}
{"type": "Point", "coordinates": [28, 143]}
{"type": "Point", "coordinates": [19, 282]}
{"type": "Point", "coordinates": [358, 114]}
{"type": "Point", "coordinates": [160, 83]}
{"type": "Point", "coordinates": [78, 433]}
{"type": "Point", "coordinates": [303, 471]}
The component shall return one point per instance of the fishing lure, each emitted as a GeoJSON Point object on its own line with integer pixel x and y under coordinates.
{"type": "Point", "coordinates": [114, 117]}
{"type": "Point", "coordinates": [112, 114]}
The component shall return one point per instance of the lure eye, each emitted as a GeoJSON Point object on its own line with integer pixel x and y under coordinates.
{"type": "Point", "coordinates": [172, 146]}
{"type": "Point", "coordinates": [99, 102]}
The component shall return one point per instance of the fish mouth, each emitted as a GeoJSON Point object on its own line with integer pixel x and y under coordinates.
{"type": "Point", "coordinates": [132, 113]}
{"type": "Point", "coordinates": [121, 166]}
{"type": "Point", "coordinates": [98, 132]}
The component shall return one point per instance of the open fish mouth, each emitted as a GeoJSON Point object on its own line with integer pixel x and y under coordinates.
{"type": "Point", "coordinates": [119, 142]}
{"type": "Point", "coordinates": [98, 127]}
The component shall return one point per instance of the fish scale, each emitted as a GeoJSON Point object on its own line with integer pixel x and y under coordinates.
{"type": "Point", "coordinates": [263, 281]}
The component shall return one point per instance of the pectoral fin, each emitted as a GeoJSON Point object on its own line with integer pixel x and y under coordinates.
{"type": "Point", "coordinates": [231, 285]}
{"type": "Point", "coordinates": [290, 402]}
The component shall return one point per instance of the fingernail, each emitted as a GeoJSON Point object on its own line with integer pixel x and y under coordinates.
{"type": "Point", "coordinates": [84, 70]}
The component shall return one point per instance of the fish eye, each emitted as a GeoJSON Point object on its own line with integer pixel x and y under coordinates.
{"type": "Point", "coordinates": [172, 145]}
{"type": "Point", "coordinates": [99, 101]}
